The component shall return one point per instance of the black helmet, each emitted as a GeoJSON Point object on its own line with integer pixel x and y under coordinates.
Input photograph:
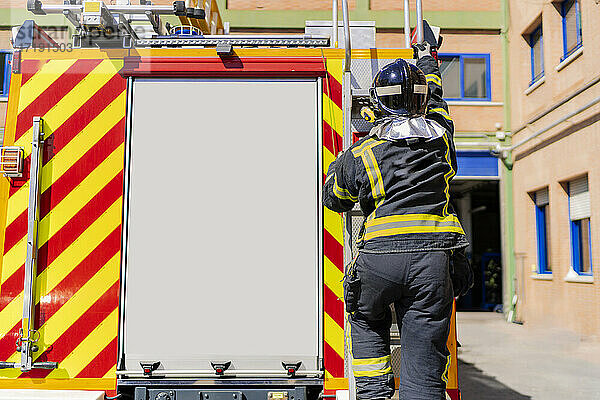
{"type": "Point", "coordinates": [400, 88]}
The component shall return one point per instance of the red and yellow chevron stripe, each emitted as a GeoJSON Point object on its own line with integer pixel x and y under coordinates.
{"type": "Point", "coordinates": [82, 103]}
{"type": "Point", "coordinates": [332, 232]}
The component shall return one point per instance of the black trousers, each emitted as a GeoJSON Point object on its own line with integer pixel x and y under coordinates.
{"type": "Point", "coordinates": [419, 286]}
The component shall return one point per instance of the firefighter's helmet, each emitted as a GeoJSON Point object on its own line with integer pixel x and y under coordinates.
{"type": "Point", "coordinates": [400, 88]}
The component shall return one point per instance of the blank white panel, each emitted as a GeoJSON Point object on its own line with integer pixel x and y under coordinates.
{"type": "Point", "coordinates": [223, 224]}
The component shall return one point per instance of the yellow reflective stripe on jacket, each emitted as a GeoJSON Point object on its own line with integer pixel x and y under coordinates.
{"type": "Point", "coordinates": [449, 175]}
{"type": "Point", "coordinates": [442, 112]}
{"type": "Point", "coordinates": [340, 193]}
{"type": "Point", "coordinates": [357, 151]}
{"type": "Point", "coordinates": [365, 152]}
{"type": "Point", "coordinates": [411, 223]}
{"type": "Point", "coordinates": [372, 366]}
{"type": "Point", "coordinates": [434, 78]}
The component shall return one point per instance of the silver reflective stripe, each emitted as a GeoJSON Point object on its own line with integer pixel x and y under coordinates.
{"type": "Point", "coordinates": [413, 223]}
{"type": "Point", "coordinates": [420, 89]}
{"type": "Point", "coordinates": [404, 224]}
{"type": "Point", "coordinates": [371, 367]}
{"type": "Point", "coordinates": [389, 90]}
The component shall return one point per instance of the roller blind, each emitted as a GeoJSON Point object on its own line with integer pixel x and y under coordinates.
{"type": "Point", "coordinates": [541, 197]}
{"type": "Point", "coordinates": [579, 199]}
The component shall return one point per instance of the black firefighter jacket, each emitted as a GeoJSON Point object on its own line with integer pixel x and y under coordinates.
{"type": "Point", "coordinates": [402, 185]}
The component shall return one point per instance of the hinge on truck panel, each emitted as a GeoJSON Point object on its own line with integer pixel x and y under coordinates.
{"type": "Point", "coordinates": [149, 366]}
{"type": "Point", "coordinates": [291, 368]}
{"type": "Point", "coordinates": [220, 368]}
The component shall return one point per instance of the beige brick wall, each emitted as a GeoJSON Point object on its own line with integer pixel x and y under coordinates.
{"type": "Point", "coordinates": [284, 5]}
{"type": "Point", "coordinates": [445, 5]}
{"type": "Point", "coordinates": [553, 158]}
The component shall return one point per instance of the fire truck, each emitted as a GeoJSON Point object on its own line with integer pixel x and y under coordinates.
{"type": "Point", "coordinates": [163, 233]}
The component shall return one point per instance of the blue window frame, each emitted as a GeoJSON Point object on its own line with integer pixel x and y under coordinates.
{"type": "Point", "coordinates": [466, 77]}
{"type": "Point", "coordinates": [5, 69]}
{"type": "Point", "coordinates": [571, 26]}
{"type": "Point", "coordinates": [536, 45]}
{"type": "Point", "coordinates": [579, 215]}
{"type": "Point", "coordinates": [542, 220]}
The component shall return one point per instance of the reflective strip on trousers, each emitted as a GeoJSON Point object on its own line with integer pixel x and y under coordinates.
{"type": "Point", "coordinates": [411, 223]}
{"type": "Point", "coordinates": [372, 366]}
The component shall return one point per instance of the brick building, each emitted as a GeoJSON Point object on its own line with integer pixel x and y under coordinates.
{"type": "Point", "coordinates": [556, 169]}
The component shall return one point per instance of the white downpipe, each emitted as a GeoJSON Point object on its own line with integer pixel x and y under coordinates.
{"type": "Point", "coordinates": [334, 25]}
{"type": "Point", "coordinates": [346, 36]}
{"type": "Point", "coordinates": [419, 21]}
{"type": "Point", "coordinates": [407, 24]}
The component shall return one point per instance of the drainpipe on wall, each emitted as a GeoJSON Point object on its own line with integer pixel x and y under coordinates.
{"type": "Point", "coordinates": [506, 188]}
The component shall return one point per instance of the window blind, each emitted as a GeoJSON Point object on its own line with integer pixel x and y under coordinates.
{"type": "Point", "coordinates": [579, 199]}
{"type": "Point", "coordinates": [541, 197]}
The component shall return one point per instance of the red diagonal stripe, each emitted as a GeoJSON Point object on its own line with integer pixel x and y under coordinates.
{"type": "Point", "coordinates": [80, 222]}
{"type": "Point", "coordinates": [102, 363]}
{"type": "Point", "coordinates": [88, 111]}
{"type": "Point", "coordinates": [331, 140]}
{"type": "Point", "coordinates": [333, 306]}
{"type": "Point", "coordinates": [15, 231]}
{"type": "Point", "coordinates": [79, 330]}
{"type": "Point", "coordinates": [66, 288]}
{"type": "Point", "coordinates": [55, 92]}
{"type": "Point", "coordinates": [333, 90]}
{"type": "Point", "coordinates": [7, 342]}
{"type": "Point", "coordinates": [11, 287]}
{"type": "Point", "coordinates": [333, 362]}
{"type": "Point", "coordinates": [29, 68]}
{"type": "Point", "coordinates": [333, 250]}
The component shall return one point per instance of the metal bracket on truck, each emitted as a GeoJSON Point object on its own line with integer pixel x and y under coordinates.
{"type": "Point", "coordinates": [26, 343]}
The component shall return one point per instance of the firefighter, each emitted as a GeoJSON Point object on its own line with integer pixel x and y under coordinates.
{"type": "Point", "coordinates": [411, 244]}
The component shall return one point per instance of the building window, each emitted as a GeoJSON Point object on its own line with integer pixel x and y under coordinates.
{"type": "Point", "coordinates": [579, 214]}
{"type": "Point", "coordinates": [542, 221]}
{"type": "Point", "coordinates": [536, 43]}
{"type": "Point", "coordinates": [466, 76]}
{"type": "Point", "coordinates": [5, 71]}
{"type": "Point", "coordinates": [571, 25]}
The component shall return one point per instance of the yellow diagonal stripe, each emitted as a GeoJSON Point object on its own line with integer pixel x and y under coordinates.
{"type": "Point", "coordinates": [88, 349]}
{"type": "Point", "coordinates": [64, 263]}
{"type": "Point", "coordinates": [71, 102]}
{"type": "Point", "coordinates": [333, 224]}
{"type": "Point", "coordinates": [335, 69]}
{"type": "Point", "coordinates": [75, 149]}
{"type": "Point", "coordinates": [111, 374]}
{"type": "Point", "coordinates": [74, 308]}
{"type": "Point", "coordinates": [332, 114]}
{"type": "Point", "coordinates": [334, 335]}
{"type": "Point", "coordinates": [67, 208]}
{"type": "Point", "coordinates": [42, 80]}
{"type": "Point", "coordinates": [13, 259]}
{"type": "Point", "coordinates": [333, 278]}
{"type": "Point", "coordinates": [328, 158]}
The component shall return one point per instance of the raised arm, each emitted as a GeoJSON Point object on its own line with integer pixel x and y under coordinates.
{"type": "Point", "coordinates": [437, 109]}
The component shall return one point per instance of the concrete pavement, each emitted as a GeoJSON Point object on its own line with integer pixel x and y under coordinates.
{"type": "Point", "coordinates": [500, 360]}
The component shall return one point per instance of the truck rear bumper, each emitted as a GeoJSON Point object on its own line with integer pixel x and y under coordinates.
{"type": "Point", "coordinates": [221, 389]}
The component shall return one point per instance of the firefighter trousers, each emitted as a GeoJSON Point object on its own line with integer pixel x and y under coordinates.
{"type": "Point", "coordinates": [418, 284]}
